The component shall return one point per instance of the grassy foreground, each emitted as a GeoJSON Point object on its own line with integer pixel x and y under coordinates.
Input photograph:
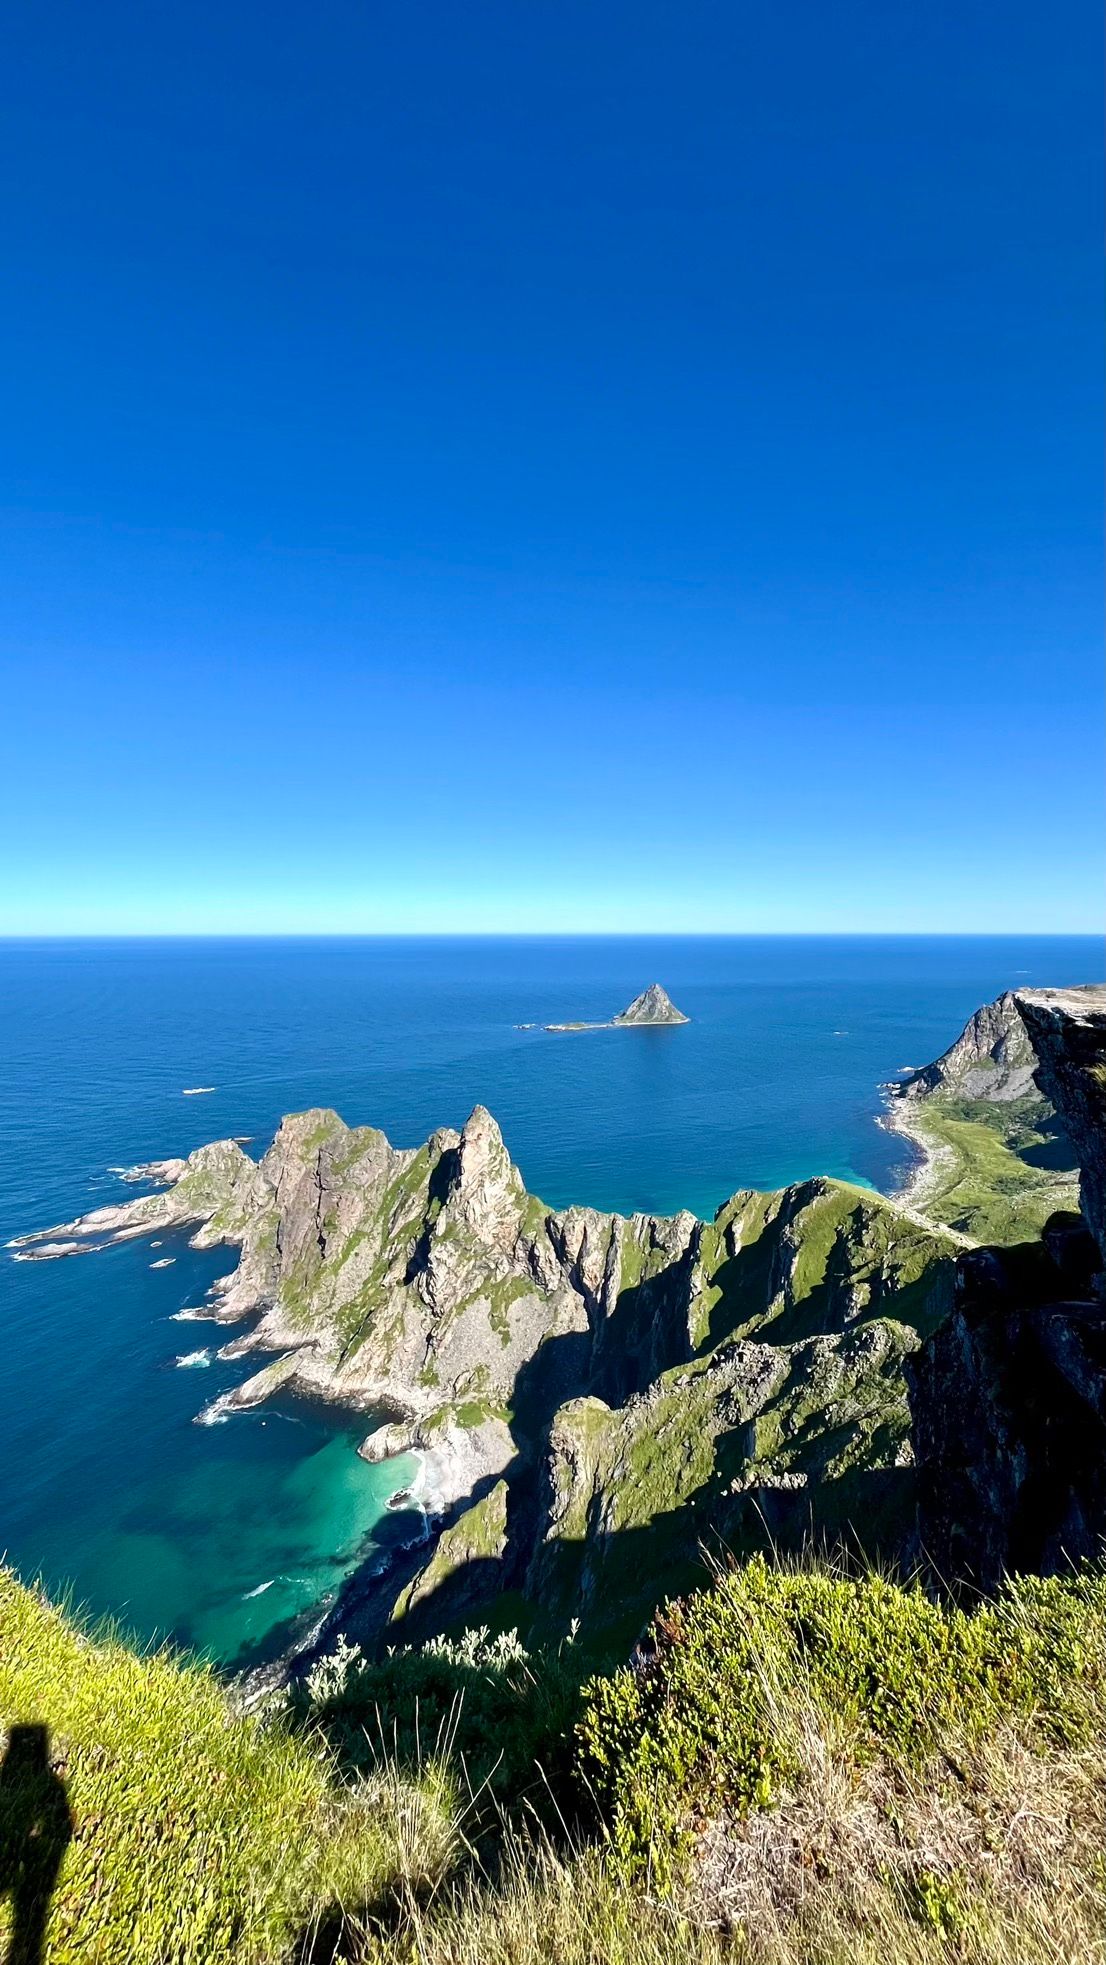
{"type": "Point", "coordinates": [800, 1768]}
{"type": "Point", "coordinates": [179, 1831]}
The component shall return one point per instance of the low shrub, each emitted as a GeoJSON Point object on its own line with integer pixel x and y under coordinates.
{"type": "Point", "coordinates": [712, 1719]}
{"type": "Point", "coordinates": [495, 1719]}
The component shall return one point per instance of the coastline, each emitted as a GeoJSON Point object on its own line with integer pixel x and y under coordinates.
{"type": "Point", "coordinates": [920, 1181]}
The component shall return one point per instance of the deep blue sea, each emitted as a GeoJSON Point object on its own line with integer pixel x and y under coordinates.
{"type": "Point", "coordinates": [217, 1536]}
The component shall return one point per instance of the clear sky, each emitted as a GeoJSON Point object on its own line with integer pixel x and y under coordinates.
{"type": "Point", "coordinates": [551, 465]}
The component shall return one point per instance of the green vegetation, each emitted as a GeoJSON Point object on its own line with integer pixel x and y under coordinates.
{"type": "Point", "coordinates": [492, 1720]}
{"type": "Point", "coordinates": [786, 1266]}
{"type": "Point", "coordinates": [996, 1171]}
{"type": "Point", "coordinates": [709, 1726]}
{"type": "Point", "coordinates": [195, 1836]}
{"type": "Point", "coordinates": [804, 1768]}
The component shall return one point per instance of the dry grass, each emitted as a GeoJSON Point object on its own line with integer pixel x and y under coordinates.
{"type": "Point", "coordinates": [994, 1861]}
{"type": "Point", "coordinates": [989, 1851]}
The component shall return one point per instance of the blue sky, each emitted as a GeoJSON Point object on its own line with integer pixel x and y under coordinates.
{"type": "Point", "coordinates": [551, 467]}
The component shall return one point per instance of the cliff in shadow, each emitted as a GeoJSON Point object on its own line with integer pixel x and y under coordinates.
{"type": "Point", "coordinates": [1008, 1396]}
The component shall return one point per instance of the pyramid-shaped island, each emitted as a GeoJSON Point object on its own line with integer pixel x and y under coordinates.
{"type": "Point", "coordinates": [654, 1005]}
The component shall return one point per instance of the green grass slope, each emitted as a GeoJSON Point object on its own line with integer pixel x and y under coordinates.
{"type": "Point", "coordinates": [184, 1833]}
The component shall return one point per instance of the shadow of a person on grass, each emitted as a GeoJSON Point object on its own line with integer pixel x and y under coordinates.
{"type": "Point", "coordinates": [35, 1827]}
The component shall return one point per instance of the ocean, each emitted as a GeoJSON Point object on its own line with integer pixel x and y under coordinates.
{"type": "Point", "coordinates": [229, 1539]}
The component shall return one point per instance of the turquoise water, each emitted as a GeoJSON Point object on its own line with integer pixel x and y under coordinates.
{"type": "Point", "coordinates": [229, 1537]}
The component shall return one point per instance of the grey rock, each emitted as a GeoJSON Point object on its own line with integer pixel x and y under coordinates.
{"type": "Point", "coordinates": [654, 1005]}
{"type": "Point", "coordinates": [992, 1059]}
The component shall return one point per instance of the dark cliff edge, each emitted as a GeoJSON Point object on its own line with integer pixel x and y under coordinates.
{"type": "Point", "coordinates": [1008, 1395]}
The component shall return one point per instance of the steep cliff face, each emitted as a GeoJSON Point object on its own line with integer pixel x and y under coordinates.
{"type": "Point", "coordinates": [991, 1059]}
{"type": "Point", "coordinates": [1067, 1029]}
{"type": "Point", "coordinates": [784, 1416]}
{"type": "Point", "coordinates": [1009, 1395]}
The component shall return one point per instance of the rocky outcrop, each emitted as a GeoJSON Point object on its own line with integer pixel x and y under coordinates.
{"type": "Point", "coordinates": [465, 1568]}
{"type": "Point", "coordinates": [654, 1005]}
{"type": "Point", "coordinates": [217, 1187]}
{"type": "Point", "coordinates": [1009, 1396]}
{"type": "Point", "coordinates": [992, 1059]}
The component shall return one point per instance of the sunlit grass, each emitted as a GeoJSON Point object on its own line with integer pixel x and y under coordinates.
{"type": "Point", "coordinates": [197, 1835]}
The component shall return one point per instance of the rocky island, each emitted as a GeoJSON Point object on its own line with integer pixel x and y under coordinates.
{"type": "Point", "coordinates": [653, 1006]}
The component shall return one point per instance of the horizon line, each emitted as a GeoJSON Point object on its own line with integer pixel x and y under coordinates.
{"type": "Point", "coordinates": [543, 934]}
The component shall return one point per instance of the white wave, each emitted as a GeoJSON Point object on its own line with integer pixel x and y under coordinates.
{"type": "Point", "coordinates": [189, 1315]}
{"type": "Point", "coordinates": [260, 1590]}
{"type": "Point", "coordinates": [195, 1091]}
{"type": "Point", "coordinates": [194, 1358]}
{"type": "Point", "coordinates": [216, 1414]}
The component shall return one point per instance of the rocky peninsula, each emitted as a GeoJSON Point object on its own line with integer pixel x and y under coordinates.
{"type": "Point", "coordinates": [573, 1379]}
